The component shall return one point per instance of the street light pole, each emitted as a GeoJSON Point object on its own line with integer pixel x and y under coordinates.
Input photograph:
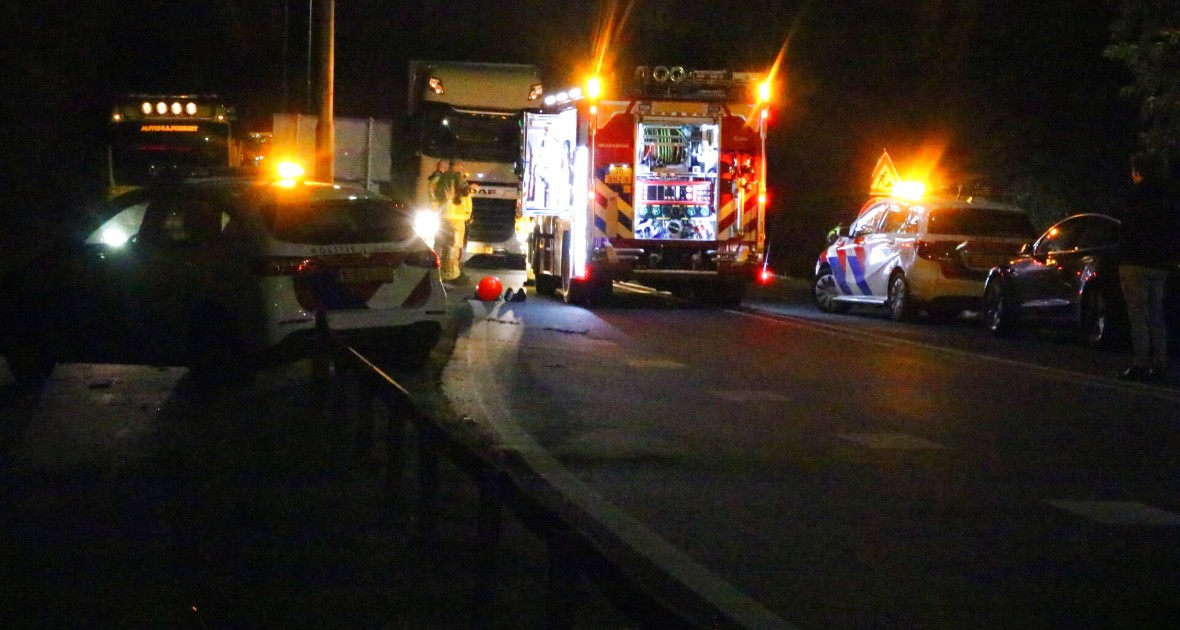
{"type": "Point", "coordinates": [310, 36]}
{"type": "Point", "coordinates": [325, 136]}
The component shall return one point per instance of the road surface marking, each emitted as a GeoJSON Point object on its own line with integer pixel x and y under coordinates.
{"type": "Point", "coordinates": [1065, 376]}
{"type": "Point", "coordinates": [749, 395]}
{"type": "Point", "coordinates": [655, 364]}
{"type": "Point", "coordinates": [1119, 512]}
{"type": "Point", "coordinates": [894, 441]}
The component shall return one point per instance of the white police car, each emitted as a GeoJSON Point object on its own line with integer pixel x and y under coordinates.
{"type": "Point", "coordinates": [929, 254]}
{"type": "Point", "coordinates": [209, 274]}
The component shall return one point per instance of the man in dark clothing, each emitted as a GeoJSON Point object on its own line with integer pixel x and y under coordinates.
{"type": "Point", "coordinates": [437, 197]}
{"type": "Point", "coordinates": [1147, 253]}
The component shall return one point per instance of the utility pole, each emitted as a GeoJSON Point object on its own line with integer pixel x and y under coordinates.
{"type": "Point", "coordinates": [325, 136]}
{"type": "Point", "coordinates": [310, 31]}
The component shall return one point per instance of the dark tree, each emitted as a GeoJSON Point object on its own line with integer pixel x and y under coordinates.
{"type": "Point", "coordinates": [1145, 37]}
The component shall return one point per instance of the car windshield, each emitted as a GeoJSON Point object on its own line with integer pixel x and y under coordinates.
{"type": "Point", "coordinates": [338, 221]}
{"type": "Point", "coordinates": [980, 222]}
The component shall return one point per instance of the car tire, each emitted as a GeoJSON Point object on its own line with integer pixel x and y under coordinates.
{"type": "Point", "coordinates": [824, 292]}
{"type": "Point", "coordinates": [998, 313]}
{"type": "Point", "coordinates": [900, 302]}
{"type": "Point", "coordinates": [1094, 322]}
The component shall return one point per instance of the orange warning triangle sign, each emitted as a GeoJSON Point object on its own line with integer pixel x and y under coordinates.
{"type": "Point", "coordinates": [884, 176]}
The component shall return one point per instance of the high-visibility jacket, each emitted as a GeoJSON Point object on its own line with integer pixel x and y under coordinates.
{"type": "Point", "coordinates": [455, 193]}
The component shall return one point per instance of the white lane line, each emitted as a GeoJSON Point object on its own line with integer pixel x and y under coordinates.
{"type": "Point", "coordinates": [1065, 376]}
{"type": "Point", "coordinates": [655, 364]}
{"type": "Point", "coordinates": [749, 395]}
{"type": "Point", "coordinates": [892, 441]}
{"type": "Point", "coordinates": [1119, 512]}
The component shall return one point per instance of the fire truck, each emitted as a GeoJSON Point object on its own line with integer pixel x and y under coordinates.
{"type": "Point", "coordinates": [659, 182]}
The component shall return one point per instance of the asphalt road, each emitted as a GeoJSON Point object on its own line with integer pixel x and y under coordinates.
{"type": "Point", "coordinates": [802, 469]}
{"type": "Point", "coordinates": [847, 471]}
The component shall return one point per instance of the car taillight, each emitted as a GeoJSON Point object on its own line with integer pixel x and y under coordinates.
{"type": "Point", "coordinates": [286, 266]}
{"type": "Point", "coordinates": [427, 259]}
{"type": "Point", "coordinates": [941, 251]}
{"type": "Point", "coordinates": [947, 254]}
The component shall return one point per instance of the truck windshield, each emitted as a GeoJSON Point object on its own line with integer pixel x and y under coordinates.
{"type": "Point", "coordinates": [141, 152]}
{"type": "Point", "coordinates": [484, 137]}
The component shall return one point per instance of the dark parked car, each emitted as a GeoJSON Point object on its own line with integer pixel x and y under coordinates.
{"type": "Point", "coordinates": [1067, 279]}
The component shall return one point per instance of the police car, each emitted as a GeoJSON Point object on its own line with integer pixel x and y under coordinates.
{"type": "Point", "coordinates": [911, 254]}
{"type": "Point", "coordinates": [210, 274]}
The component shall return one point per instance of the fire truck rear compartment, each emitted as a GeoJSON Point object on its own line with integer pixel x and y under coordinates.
{"type": "Point", "coordinates": [676, 180]}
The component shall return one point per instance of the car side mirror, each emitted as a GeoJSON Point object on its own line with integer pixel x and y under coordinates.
{"type": "Point", "coordinates": [1030, 251]}
{"type": "Point", "coordinates": [1026, 249]}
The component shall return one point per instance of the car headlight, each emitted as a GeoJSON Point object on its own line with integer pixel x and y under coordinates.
{"type": "Point", "coordinates": [426, 225]}
{"type": "Point", "coordinates": [115, 237]}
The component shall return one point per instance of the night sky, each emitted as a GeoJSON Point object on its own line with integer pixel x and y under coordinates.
{"type": "Point", "coordinates": [1013, 92]}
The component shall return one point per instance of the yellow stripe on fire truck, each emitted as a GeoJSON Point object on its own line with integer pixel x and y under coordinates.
{"type": "Point", "coordinates": [624, 213]}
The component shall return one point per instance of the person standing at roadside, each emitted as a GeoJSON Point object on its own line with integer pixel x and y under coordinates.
{"type": "Point", "coordinates": [436, 196]}
{"type": "Point", "coordinates": [455, 192]}
{"type": "Point", "coordinates": [1149, 241]}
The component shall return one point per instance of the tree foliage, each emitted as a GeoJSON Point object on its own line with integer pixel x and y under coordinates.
{"type": "Point", "coordinates": [1145, 37]}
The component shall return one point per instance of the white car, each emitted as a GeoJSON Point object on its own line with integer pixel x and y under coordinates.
{"type": "Point", "coordinates": [211, 274]}
{"type": "Point", "coordinates": [910, 255]}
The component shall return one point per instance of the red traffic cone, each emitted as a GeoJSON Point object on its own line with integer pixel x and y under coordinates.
{"type": "Point", "coordinates": [489, 289]}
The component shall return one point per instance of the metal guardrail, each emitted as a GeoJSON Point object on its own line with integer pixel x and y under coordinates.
{"type": "Point", "coordinates": [579, 547]}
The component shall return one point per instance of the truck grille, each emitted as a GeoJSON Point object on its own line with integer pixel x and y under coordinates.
{"type": "Point", "coordinates": [492, 220]}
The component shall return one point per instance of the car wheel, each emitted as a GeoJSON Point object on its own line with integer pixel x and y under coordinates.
{"type": "Point", "coordinates": [900, 302]}
{"type": "Point", "coordinates": [214, 353]}
{"type": "Point", "coordinates": [997, 311]}
{"type": "Point", "coordinates": [1094, 321]}
{"type": "Point", "coordinates": [824, 291]}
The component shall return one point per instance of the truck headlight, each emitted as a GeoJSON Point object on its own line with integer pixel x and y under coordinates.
{"type": "Point", "coordinates": [426, 225]}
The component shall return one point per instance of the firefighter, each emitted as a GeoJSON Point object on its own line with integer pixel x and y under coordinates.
{"type": "Point", "coordinates": [436, 199]}
{"type": "Point", "coordinates": [454, 193]}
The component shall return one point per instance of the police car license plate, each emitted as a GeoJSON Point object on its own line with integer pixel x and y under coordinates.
{"type": "Point", "coordinates": [364, 275]}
